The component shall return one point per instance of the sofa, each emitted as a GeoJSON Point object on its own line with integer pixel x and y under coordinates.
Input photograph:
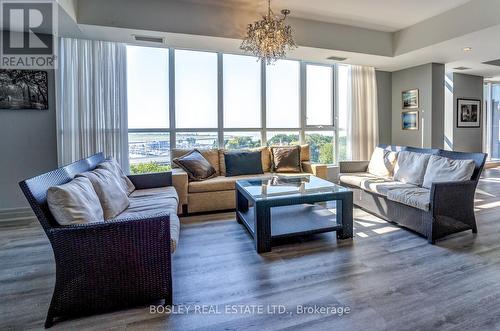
{"type": "Point", "coordinates": [435, 211]}
{"type": "Point", "coordinates": [106, 265]}
{"type": "Point", "coordinates": [218, 193]}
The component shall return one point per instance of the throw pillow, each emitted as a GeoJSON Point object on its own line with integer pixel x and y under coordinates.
{"type": "Point", "coordinates": [243, 163]}
{"type": "Point", "coordinates": [109, 189]}
{"type": "Point", "coordinates": [286, 159]}
{"type": "Point", "coordinates": [443, 169]}
{"type": "Point", "coordinates": [197, 167]}
{"type": "Point", "coordinates": [113, 166]}
{"type": "Point", "coordinates": [410, 167]}
{"type": "Point", "coordinates": [382, 162]}
{"type": "Point", "coordinates": [75, 202]}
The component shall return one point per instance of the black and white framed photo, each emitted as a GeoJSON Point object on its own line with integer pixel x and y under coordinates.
{"type": "Point", "coordinates": [23, 89]}
{"type": "Point", "coordinates": [409, 120]}
{"type": "Point", "coordinates": [410, 99]}
{"type": "Point", "coordinates": [468, 113]}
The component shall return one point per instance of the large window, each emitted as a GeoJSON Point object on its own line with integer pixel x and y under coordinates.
{"type": "Point", "coordinates": [242, 107]}
{"type": "Point", "coordinates": [319, 95]}
{"type": "Point", "coordinates": [343, 88]}
{"type": "Point", "coordinates": [241, 140]}
{"type": "Point", "coordinates": [282, 138]}
{"type": "Point", "coordinates": [147, 87]}
{"type": "Point", "coordinates": [195, 89]}
{"type": "Point", "coordinates": [200, 140]}
{"type": "Point", "coordinates": [193, 99]}
{"type": "Point", "coordinates": [321, 146]}
{"type": "Point", "coordinates": [148, 99]}
{"type": "Point", "coordinates": [283, 94]}
{"type": "Point", "coordinates": [148, 152]}
{"type": "Point", "coordinates": [492, 119]}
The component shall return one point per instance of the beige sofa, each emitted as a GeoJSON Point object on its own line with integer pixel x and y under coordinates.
{"type": "Point", "coordinates": [218, 193]}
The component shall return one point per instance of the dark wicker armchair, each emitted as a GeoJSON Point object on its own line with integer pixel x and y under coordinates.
{"type": "Point", "coordinates": [103, 266]}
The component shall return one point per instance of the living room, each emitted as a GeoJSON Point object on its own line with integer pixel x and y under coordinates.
{"type": "Point", "coordinates": [189, 164]}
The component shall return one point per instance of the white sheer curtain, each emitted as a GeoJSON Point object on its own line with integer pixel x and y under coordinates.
{"type": "Point", "coordinates": [91, 100]}
{"type": "Point", "coordinates": [362, 124]}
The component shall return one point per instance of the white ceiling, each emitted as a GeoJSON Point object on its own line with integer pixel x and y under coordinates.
{"type": "Point", "coordinates": [452, 35]}
{"type": "Point", "coordinates": [383, 15]}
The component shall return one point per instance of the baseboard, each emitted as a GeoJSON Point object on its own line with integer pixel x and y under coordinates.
{"type": "Point", "coordinates": [16, 214]}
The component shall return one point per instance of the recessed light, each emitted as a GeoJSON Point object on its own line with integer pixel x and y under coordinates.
{"type": "Point", "coordinates": [467, 49]}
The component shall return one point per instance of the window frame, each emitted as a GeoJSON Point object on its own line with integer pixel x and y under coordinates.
{"type": "Point", "coordinates": [263, 129]}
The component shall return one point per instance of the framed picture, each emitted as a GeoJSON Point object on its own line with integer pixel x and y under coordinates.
{"type": "Point", "coordinates": [23, 89]}
{"type": "Point", "coordinates": [410, 99]}
{"type": "Point", "coordinates": [409, 120]}
{"type": "Point", "coordinates": [468, 113]}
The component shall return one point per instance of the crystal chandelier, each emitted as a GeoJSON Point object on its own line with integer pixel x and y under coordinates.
{"type": "Point", "coordinates": [269, 39]}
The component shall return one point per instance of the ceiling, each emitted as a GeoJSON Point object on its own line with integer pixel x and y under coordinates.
{"type": "Point", "coordinates": [382, 15]}
{"type": "Point", "coordinates": [433, 29]}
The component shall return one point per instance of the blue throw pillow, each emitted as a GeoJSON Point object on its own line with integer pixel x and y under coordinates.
{"type": "Point", "coordinates": [243, 163]}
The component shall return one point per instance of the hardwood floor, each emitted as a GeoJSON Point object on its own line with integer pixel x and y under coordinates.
{"type": "Point", "coordinates": [389, 277]}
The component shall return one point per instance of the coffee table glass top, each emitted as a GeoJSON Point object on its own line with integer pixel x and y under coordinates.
{"type": "Point", "coordinates": [277, 186]}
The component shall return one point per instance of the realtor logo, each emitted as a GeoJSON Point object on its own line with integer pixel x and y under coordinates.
{"type": "Point", "coordinates": [28, 34]}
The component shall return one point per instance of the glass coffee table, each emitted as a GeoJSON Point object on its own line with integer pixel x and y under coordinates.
{"type": "Point", "coordinates": [286, 206]}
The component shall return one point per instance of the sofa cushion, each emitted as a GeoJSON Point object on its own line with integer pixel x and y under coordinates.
{"type": "Point", "coordinates": [168, 191]}
{"type": "Point", "coordinates": [286, 158]}
{"type": "Point", "coordinates": [196, 165]}
{"type": "Point", "coordinates": [109, 189]}
{"type": "Point", "coordinates": [355, 178]}
{"type": "Point", "coordinates": [305, 153]}
{"type": "Point", "coordinates": [243, 163]}
{"type": "Point", "coordinates": [410, 167]}
{"type": "Point", "coordinates": [212, 156]}
{"type": "Point", "coordinates": [220, 183]}
{"type": "Point", "coordinates": [383, 185]}
{"type": "Point", "coordinates": [443, 169]}
{"type": "Point", "coordinates": [267, 163]}
{"type": "Point", "coordinates": [75, 202]}
{"type": "Point", "coordinates": [265, 158]}
{"type": "Point", "coordinates": [382, 162]}
{"type": "Point", "coordinates": [418, 197]}
{"type": "Point", "coordinates": [113, 166]}
{"type": "Point", "coordinates": [151, 202]}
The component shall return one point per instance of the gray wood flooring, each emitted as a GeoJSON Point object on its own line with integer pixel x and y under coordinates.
{"type": "Point", "coordinates": [390, 278]}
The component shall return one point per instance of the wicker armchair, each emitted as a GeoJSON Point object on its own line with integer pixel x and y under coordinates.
{"type": "Point", "coordinates": [103, 266]}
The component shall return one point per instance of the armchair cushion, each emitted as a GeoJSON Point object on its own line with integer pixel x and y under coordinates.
{"type": "Point", "coordinates": [107, 185]}
{"type": "Point", "coordinates": [443, 169]}
{"type": "Point", "coordinates": [75, 202]}
{"type": "Point", "coordinates": [410, 167]}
